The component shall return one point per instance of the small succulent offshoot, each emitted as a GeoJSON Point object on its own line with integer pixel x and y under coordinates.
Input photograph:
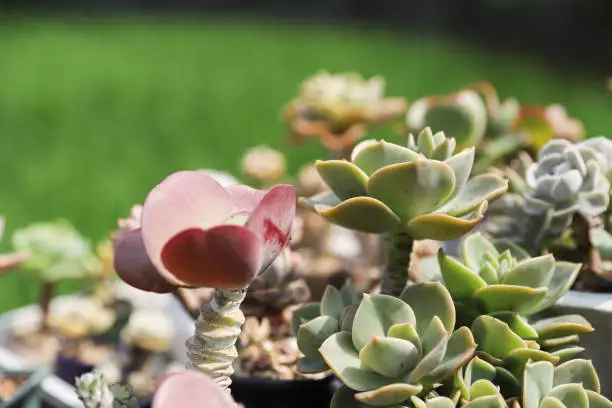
{"type": "Point", "coordinates": [422, 191]}
{"type": "Point", "coordinates": [93, 390]}
{"type": "Point", "coordinates": [196, 232]}
{"type": "Point", "coordinates": [338, 109]}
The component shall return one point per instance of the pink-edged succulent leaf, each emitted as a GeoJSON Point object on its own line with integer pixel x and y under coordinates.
{"type": "Point", "coordinates": [244, 198]}
{"type": "Point", "coordinates": [134, 267]}
{"type": "Point", "coordinates": [185, 200]}
{"type": "Point", "coordinates": [272, 220]}
{"type": "Point", "coordinates": [191, 389]}
{"type": "Point", "coordinates": [224, 257]}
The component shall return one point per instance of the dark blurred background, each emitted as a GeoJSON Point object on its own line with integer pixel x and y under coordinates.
{"type": "Point", "coordinates": [101, 99]}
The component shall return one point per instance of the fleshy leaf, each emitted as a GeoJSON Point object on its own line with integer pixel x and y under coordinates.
{"type": "Point", "coordinates": [561, 326]}
{"type": "Point", "coordinates": [342, 357]}
{"type": "Point", "coordinates": [406, 331]}
{"type": "Point", "coordinates": [433, 334]}
{"type": "Point", "coordinates": [414, 188]}
{"type": "Point", "coordinates": [376, 314]}
{"type": "Point", "coordinates": [370, 156]}
{"type": "Point", "coordinates": [518, 324]}
{"type": "Point", "coordinates": [389, 356]}
{"type": "Point", "coordinates": [578, 371]}
{"type": "Point", "coordinates": [332, 303]}
{"type": "Point", "coordinates": [495, 337]}
{"type": "Point", "coordinates": [365, 214]}
{"type": "Point", "coordinates": [344, 397]}
{"type": "Point", "coordinates": [598, 401]}
{"type": "Point", "coordinates": [311, 335]}
{"type": "Point", "coordinates": [478, 189]}
{"type": "Point", "coordinates": [473, 249]}
{"type": "Point", "coordinates": [509, 298]}
{"type": "Point", "coordinates": [443, 227]}
{"type": "Point", "coordinates": [461, 163]}
{"type": "Point", "coordinates": [551, 402]}
{"type": "Point", "coordinates": [459, 350]}
{"type": "Point", "coordinates": [478, 369]}
{"type": "Point", "coordinates": [389, 395]}
{"type": "Point", "coordinates": [304, 314]}
{"type": "Point", "coordinates": [461, 281]}
{"type": "Point", "coordinates": [563, 278]}
{"type": "Point", "coordinates": [560, 342]}
{"type": "Point", "coordinates": [344, 178]}
{"type": "Point", "coordinates": [311, 365]}
{"type": "Point", "coordinates": [533, 273]}
{"type": "Point", "coordinates": [571, 395]}
{"type": "Point", "coordinates": [482, 388]}
{"type": "Point", "coordinates": [487, 402]}
{"type": "Point", "coordinates": [429, 299]}
{"type": "Point", "coordinates": [567, 353]}
{"type": "Point", "coordinates": [537, 383]}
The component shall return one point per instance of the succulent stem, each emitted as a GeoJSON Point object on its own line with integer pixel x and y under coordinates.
{"type": "Point", "coordinates": [212, 349]}
{"type": "Point", "coordinates": [46, 295]}
{"type": "Point", "coordinates": [395, 275]}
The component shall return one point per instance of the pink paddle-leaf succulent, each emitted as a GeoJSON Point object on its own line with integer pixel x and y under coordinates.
{"type": "Point", "coordinates": [191, 389]}
{"type": "Point", "coordinates": [196, 233]}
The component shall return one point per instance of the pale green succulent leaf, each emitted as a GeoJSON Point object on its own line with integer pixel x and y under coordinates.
{"type": "Point", "coordinates": [364, 214]}
{"type": "Point", "coordinates": [376, 314]}
{"type": "Point", "coordinates": [443, 150]}
{"type": "Point", "coordinates": [562, 326]}
{"type": "Point", "coordinates": [406, 331]}
{"type": "Point", "coordinates": [533, 273]}
{"type": "Point", "coordinates": [563, 277]}
{"type": "Point", "coordinates": [473, 249]}
{"type": "Point", "coordinates": [461, 281]}
{"type": "Point", "coordinates": [459, 350]}
{"type": "Point", "coordinates": [489, 273]}
{"type": "Point", "coordinates": [430, 361]}
{"type": "Point", "coordinates": [478, 189]}
{"type": "Point", "coordinates": [495, 337]}
{"type": "Point", "coordinates": [520, 299]}
{"type": "Point", "coordinates": [348, 317]}
{"type": "Point", "coordinates": [429, 299]}
{"type": "Point", "coordinates": [371, 155]}
{"type": "Point", "coordinates": [578, 371]}
{"type": "Point", "coordinates": [311, 335]}
{"type": "Point", "coordinates": [332, 303]}
{"type": "Point", "coordinates": [390, 395]}
{"type": "Point", "coordinates": [426, 143]}
{"type": "Point", "coordinates": [567, 353]}
{"type": "Point", "coordinates": [518, 324]}
{"type": "Point", "coordinates": [517, 358]}
{"type": "Point", "coordinates": [390, 356]}
{"type": "Point", "coordinates": [433, 334]}
{"type": "Point", "coordinates": [343, 178]}
{"type": "Point", "coordinates": [349, 293]}
{"type": "Point", "coordinates": [304, 314]}
{"type": "Point", "coordinates": [443, 227]}
{"type": "Point", "coordinates": [560, 342]}
{"type": "Point", "coordinates": [414, 188]}
{"type": "Point", "coordinates": [311, 365]}
{"type": "Point", "coordinates": [597, 400]}
{"type": "Point", "coordinates": [492, 401]}
{"type": "Point", "coordinates": [478, 369]}
{"type": "Point", "coordinates": [483, 388]}
{"type": "Point", "coordinates": [343, 359]}
{"type": "Point", "coordinates": [551, 402]}
{"type": "Point", "coordinates": [537, 383]}
{"type": "Point", "coordinates": [571, 395]}
{"type": "Point", "coordinates": [462, 164]}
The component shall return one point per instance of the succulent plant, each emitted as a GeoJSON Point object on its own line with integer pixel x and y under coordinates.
{"type": "Point", "coordinates": [276, 288]}
{"type": "Point", "coordinates": [462, 114]}
{"type": "Point", "coordinates": [572, 384]}
{"type": "Point", "coordinates": [93, 391]}
{"type": "Point", "coordinates": [314, 322]}
{"type": "Point", "coordinates": [81, 317]}
{"type": "Point", "coordinates": [425, 193]}
{"type": "Point", "coordinates": [396, 348]}
{"type": "Point", "coordinates": [337, 108]}
{"type": "Point", "coordinates": [490, 280]}
{"type": "Point", "coordinates": [566, 180]}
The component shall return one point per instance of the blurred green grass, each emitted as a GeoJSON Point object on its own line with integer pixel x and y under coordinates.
{"type": "Point", "coordinates": [95, 113]}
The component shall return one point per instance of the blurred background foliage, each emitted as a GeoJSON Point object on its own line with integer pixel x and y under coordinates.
{"type": "Point", "coordinates": [95, 111]}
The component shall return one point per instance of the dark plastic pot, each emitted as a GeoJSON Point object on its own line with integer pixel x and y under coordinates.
{"type": "Point", "coordinates": [68, 368]}
{"type": "Point", "coordinates": [269, 393]}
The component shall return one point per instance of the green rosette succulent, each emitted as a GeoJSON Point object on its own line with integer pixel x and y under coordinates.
{"type": "Point", "coordinates": [462, 114]}
{"type": "Point", "coordinates": [397, 348]}
{"type": "Point", "coordinates": [571, 384]}
{"type": "Point", "coordinates": [423, 190]}
{"type": "Point", "coordinates": [314, 322]}
{"type": "Point", "coordinates": [504, 278]}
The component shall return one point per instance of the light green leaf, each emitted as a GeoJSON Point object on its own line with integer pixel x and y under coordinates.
{"type": "Point", "coordinates": [518, 324]}
{"type": "Point", "coordinates": [389, 356]}
{"type": "Point", "coordinates": [371, 155]}
{"type": "Point", "coordinates": [534, 273]}
{"type": "Point", "coordinates": [332, 303]}
{"type": "Point", "coordinates": [344, 178]}
{"type": "Point", "coordinates": [364, 214]}
{"type": "Point", "coordinates": [478, 189]}
{"type": "Point", "coordinates": [563, 278]}
{"type": "Point", "coordinates": [598, 401]}
{"type": "Point", "coordinates": [406, 331]}
{"type": "Point", "coordinates": [311, 335]}
{"type": "Point", "coordinates": [429, 299]}
{"type": "Point", "coordinates": [304, 314]}
{"type": "Point", "coordinates": [571, 395]}
{"type": "Point", "coordinates": [311, 365]}
{"type": "Point", "coordinates": [537, 383]}
{"type": "Point", "coordinates": [578, 371]}
{"type": "Point", "coordinates": [520, 299]}
{"type": "Point", "coordinates": [473, 249]}
{"type": "Point", "coordinates": [461, 281]}
{"type": "Point", "coordinates": [461, 163]}
{"type": "Point", "coordinates": [443, 227]}
{"type": "Point", "coordinates": [459, 351]}
{"type": "Point", "coordinates": [562, 326]}
{"type": "Point", "coordinates": [389, 395]}
{"type": "Point", "coordinates": [495, 337]}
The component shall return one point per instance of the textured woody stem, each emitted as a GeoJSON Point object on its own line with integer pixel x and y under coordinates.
{"type": "Point", "coordinates": [395, 276]}
{"type": "Point", "coordinates": [212, 349]}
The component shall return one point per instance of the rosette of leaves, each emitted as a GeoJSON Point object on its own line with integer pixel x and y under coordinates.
{"type": "Point", "coordinates": [462, 114]}
{"type": "Point", "coordinates": [571, 384]}
{"type": "Point", "coordinates": [425, 191]}
{"type": "Point", "coordinates": [397, 348]}
{"type": "Point", "coordinates": [314, 322]}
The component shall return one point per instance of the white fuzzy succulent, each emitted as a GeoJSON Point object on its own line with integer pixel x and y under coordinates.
{"type": "Point", "coordinates": [93, 390]}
